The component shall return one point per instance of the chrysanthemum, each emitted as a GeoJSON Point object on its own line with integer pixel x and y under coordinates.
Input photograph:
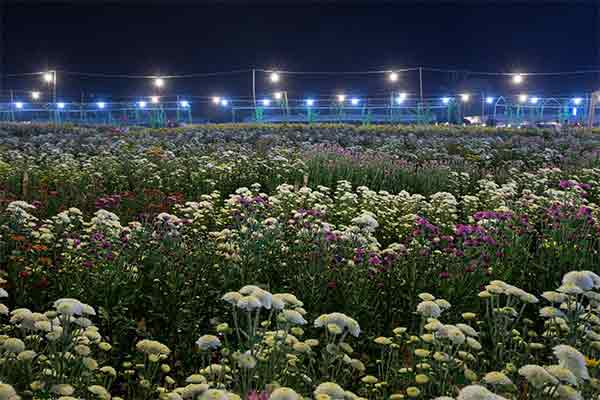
{"type": "Point", "coordinates": [429, 309]}
{"type": "Point", "coordinates": [333, 390]}
{"type": "Point", "coordinates": [537, 376]}
{"type": "Point", "coordinates": [572, 359]}
{"type": "Point", "coordinates": [284, 394]}
{"type": "Point", "coordinates": [208, 342]}
{"type": "Point", "coordinates": [476, 392]}
{"type": "Point", "coordinates": [293, 317]}
{"type": "Point", "coordinates": [497, 378]}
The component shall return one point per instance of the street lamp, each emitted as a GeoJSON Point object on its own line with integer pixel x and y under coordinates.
{"type": "Point", "coordinates": [50, 79]}
{"type": "Point", "coordinates": [354, 101]}
{"type": "Point", "coordinates": [184, 103]}
{"type": "Point", "coordinates": [278, 95]}
{"type": "Point", "coordinates": [35, 95]}
{"type": "Point", "coordinates": [577, 101]}
{"type": "Point", "coordinates": [522, 98]}
{"type": "Point", "coordinates": [142, 104]}
{"type": "Point", "coordinates": [216, 100]}
{"type": "Point", "coordinates": [159, 82]}
{"type": "Point", "coordinates": [465, 97]}
{"type": "Point", "coordinates": [266, 102]}
{"type": "Point", "coordinates": [19, 105]}
{"type": "Point", "coordinates": [445, 100]}
{"type": "Point", "coordinates": [341, 98]}
{"type": "Point", "coordinates": [517, 79]}
{"type": "Point", "coordinates": [489, 100]}
{"type": "Point", "coordinates": [310, 102]}
{"type": "Point", "coordinates": [534, 100]}
{"type": "Point", "coordinates": [274, 77]}
{"type": "Point", "coordinates": [393, 76]}
{"type": "Point", "coordinates": [101, 104]}
{"type": "Point", "coordinates": [154, 99]}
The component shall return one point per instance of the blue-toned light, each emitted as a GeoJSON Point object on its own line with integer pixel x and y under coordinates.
{"type": "Point", "coordinates": [445, 100]}
{"type": "Point", "coordinates": [224, 102]}
{"type": "Point", "coordinates": [534, 100]}
{"type": "Point", "coordinates": [489, 100]}
{"type": "Point", "coordinates": [266, 102]}
{"type": "Point", "coordinates": [577, 101]}
{"type": "Point", "coordinates": [310, 102]}
{"type": "Point", "coordinates": [19, 105]}
{"type": "Point", "coordinates": [574, 112]}
{"type": "Point", "coordinates": [101, 104]}
{"type": "Point", "coordinates": [354, 101]}
{"type": "Point", "coordinates": [184, 103]}
{"type": "Point", "coordinates": [60, 105]}
{"type": "Point", "coordinates": [142, 104]}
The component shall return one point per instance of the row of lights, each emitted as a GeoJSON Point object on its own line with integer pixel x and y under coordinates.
{"type": "Point", "coordinates": [341, 98]}
{"type": "Point", "coordinates": [141, 104]}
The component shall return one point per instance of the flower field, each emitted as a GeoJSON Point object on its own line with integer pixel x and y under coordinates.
{"type": "Point", "coordinates": [328, 262]}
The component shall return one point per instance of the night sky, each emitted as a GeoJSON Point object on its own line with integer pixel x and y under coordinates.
{"type": "Point", "coordinates": [172, 37]}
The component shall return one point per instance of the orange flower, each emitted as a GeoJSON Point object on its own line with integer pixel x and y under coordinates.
{"type": "Point", "coordinates": [39, 247]}
{"type": "Point", "coordinates": [18, 238]}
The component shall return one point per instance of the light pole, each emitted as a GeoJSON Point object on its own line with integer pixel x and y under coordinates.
{"type": "Point", "coordinates": [50, 79]}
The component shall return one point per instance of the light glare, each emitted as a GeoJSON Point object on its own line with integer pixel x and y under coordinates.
{"type": "Point", "coordinates": [310, 102]}
{"type": "Point", "coordinates": [393, 76]}
{"type": "Point", "coordinates": [101, 104]}
{"type": "Point", "coordinates": [61, 105]}
{"type": "Point", "coordinates": [278, 95]}
{"type": "Point", "coordinates": [274, 77]}
{"type": "Point", "coordinates": [341, 98]}
{"type": "Point", "coordinates": [465, 97]}
{"type": "Point", "coordinates": [517, 79]}
{"type": "Point", "coordinates": [35, 95]}
{"type": "Point", "coordinates": [154, 99]}
{"type": "Point", "coordinates": [577, 101]}
{"type": "Point", "coordinates": [224, 102]}
{"type": "Point", "coordinates": [216, 100]}
{"type": "Point", "coordinates": [48, 77]}
{"type": "Point", "coordinates": [489, 100]}
{"type": "Point", "coordinates": [522, 98]}
{"type": "Point", "coordinates": [19, 104]}
{"type": "Point", "coordinates": [184, 103]}
{"type": "Point", "coordinates": [534, 100]}
{"type": "Point", "coordinates": [445, 100]}
{"type": "Point", "coordinates": [354, 101]}
{"type": "Point", "coordinates": [142, 104]}
{"type": "Point", "coordinates": [159, 82]}
{"type": "Point", "coordinates": [266, 102]}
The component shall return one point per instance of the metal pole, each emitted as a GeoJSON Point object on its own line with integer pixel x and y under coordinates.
{"type": "Point", "coordinates": [421, 83]}
{"type": "Point", "coordinates": [254, 89]}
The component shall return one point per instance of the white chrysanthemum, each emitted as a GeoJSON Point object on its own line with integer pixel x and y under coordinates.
{"type": "Point", "coordinates": [340, 320]}
{"type": "Point", "coordinates": [554, 297]}
{"type": "Point", "coordinates": [497, 378]}
{"type": "Point", "coordinates": [246, 361]}
{"type": "Point", "coordinates": [562, 373]}
{"type": "Point", "coordinates": [429, 309]}
{"type": "Point", "coordinates": [152, 347]}
{"type": "Point", "coordinates": [7, 392]}
{"type": "Point", "coordinates": [444, 304]}
{"type": "Point", "coordinates": [195, 378]}
{"type": "Point", "coordinates": [537, 376]}
{"type": "Point", "coordinates": [293, 317]}
{"type": "Point", "coordinates": [565, 392]}
{"type": "Point", "coordinates": [62, 389]}
{"type": "Point", "coordinates": [467, 329]}
{"type": "Point", "coordinates": [451, 333]}
{"type": "Point", "coordinates": [569, 288]}
{"type": "Point", "coordinates": [3, 293]}
{"type": "Point", "coordinates": [208, 342]}
{"type": "Point", "coordinates": [214, 394]}
{"type": "Point", "coordinates": [333, 390]}
{"type": "Point", "coordinates": [551, 312]}
{"type": "Point", "coordinates": [572, 359]}
{"type": "Point", "coordinates": [13, 345]}
{"type": "Point", "coordinates": [99, 391]}
{"type": "Point", "coordinates": [476, 392]}
{"type": "Point", "coordinates": [582, 279]}
{"type": "Point", "coordinates": [231, 297]}
{"type": "Point", "coordinates": [249, 303]}
{"type": "Point", "coordinates": [192, 390]}
{"type": "Point", "coordinates": [284, 394]}
{"type": "Point", "coordinates": [426, 297]}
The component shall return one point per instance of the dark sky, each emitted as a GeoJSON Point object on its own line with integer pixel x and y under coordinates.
{"type": "Point", "coordinates": [170, 37]}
